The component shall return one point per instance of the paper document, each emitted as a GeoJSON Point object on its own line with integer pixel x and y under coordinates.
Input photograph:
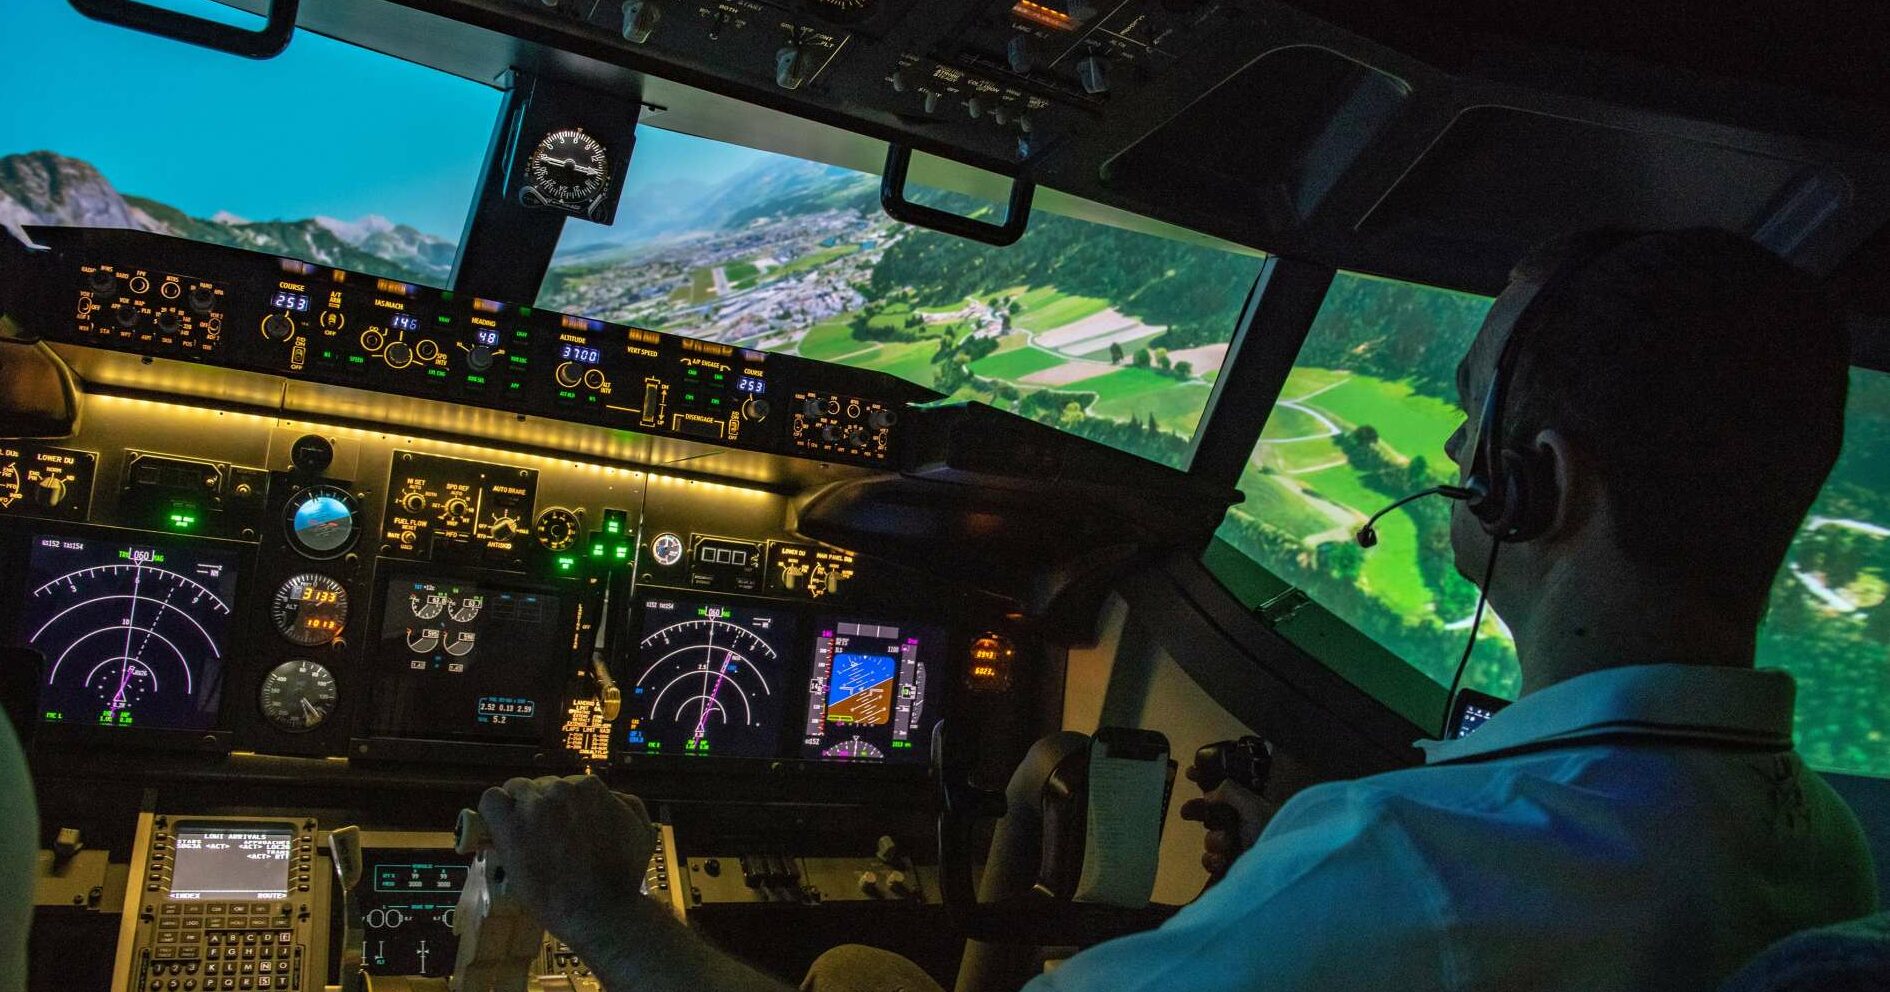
{"type": "Point", "coordinates": [1125, 828]}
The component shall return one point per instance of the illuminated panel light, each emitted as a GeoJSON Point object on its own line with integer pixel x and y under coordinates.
{"type": "Point", "coordinates": [488, 306]}
{"type": "Point", "coordinates": [571, 323]}
{"type": "Point", "coordinates": [1037, 13]}
{"type": "Point", "coordinates": [394, 287]}
{"type": "Point", "coordinates": [296, 267]}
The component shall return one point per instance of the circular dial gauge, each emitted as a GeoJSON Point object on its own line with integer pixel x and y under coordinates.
{"type": "Point", "coordinates": [853, 747]}
{"type": "Point", "coordinates": [321, 522]}
{"type": "Point", "coordinates": [298, 695]}
{"type": "Point", "coordinates": [557, 528]}
{"type": "Point", "coordinates": [310, 609]}
{"type": "Point", "coordinates": [710, 684]}
{"type": "Point", "coordinates": [842, 11]}
{"type": "Point", "coordinates": [568, 169]}
{"type": "Point", "coordinates": [667, 549]}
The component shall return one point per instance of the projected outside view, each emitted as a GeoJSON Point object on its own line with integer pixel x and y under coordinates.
{"type": "Point", "coordinates": [1110, 334]}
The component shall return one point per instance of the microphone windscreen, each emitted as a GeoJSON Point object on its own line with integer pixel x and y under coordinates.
{"type": "Point", "coordinates": [1367, 537]}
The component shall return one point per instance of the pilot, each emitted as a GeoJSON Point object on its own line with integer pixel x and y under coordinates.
{"type": "Point", "coordinates": [1636, 820]}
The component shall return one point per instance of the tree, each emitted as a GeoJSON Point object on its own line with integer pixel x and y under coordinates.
{"type": "Point", "coordinates": [1141, 358]}
{"type": "Point", "coordinates": [1162, 359]}
{"type": "Point", "coordinates": [1072, 415]}
{"type": "Point", "coordinates": [1184, 370]}
{"type": "Point", "coordinates": [1115, 353]}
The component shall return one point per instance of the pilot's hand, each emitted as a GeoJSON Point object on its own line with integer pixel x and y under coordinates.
{"type": "Point", "coordinates": [1234, 817]}
{"type": "Point", "coordinates": [574, 852]}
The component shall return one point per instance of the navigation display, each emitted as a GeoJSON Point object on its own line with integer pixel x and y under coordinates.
{"type": "Point", "coordinates": [464, 660]}
{"type": "Point", "coordinates": [709, 679]}
{"type": "Point", "coordinates": [412, 895]}
{"type": "Point", "coordinates": [133, 631]}
{"type": "Point", "coordinates": [232, 861]}
{"type": "Point", "coordinates": [867, 693]}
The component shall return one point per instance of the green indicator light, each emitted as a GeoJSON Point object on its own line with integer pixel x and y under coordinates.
{"type": "Point", "coordinates": [444, 319]}
{"type": "Point", "coordinates": [515, 359]}
{"type": "Point", "coordinates": [689, 397]}
{"type": "Point", "coordinates": [597, 550]}
{"type": "Point", "coordinates": [515, 385]}
{"type": "Point", "coordinates": [437, 373]}
{"type": "Point", "coordinates": [524, 311]}
{"type": "Point", "coordinates": [655, 745]}
{"type": "Point", "coordinates": [182, 521]}
{"type": "Point", "coordinates": [715, 401]}
{"type": "Point", "coordinates": [613, 525]}
{"type": "Point", "coordinates": [357, 359]}
{"type": "Point", "coordinates": [480, 379]}
{"type": "Point", "coordinates": [691, 373]}
{"type": "Point", "coordinates": [566, 394]}
{"type": "Point", "coordinates": [327, 355]}
{"type": "Point", "coordinates": [623, 552]}
{"type": "Point", "coordinates": [566, 563]}
{"type": "Point", "coordinates": [718, 377]}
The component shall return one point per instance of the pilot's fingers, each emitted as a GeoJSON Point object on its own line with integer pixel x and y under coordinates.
{"type": "Point", "coordinates": [499, 809]}
{"type": "Point", "coordinates": [1195, 810]}
{"type": "Point", "coordinates": [1194, 774]}
{"type": "Point", "coordinates": [1216, 864]}
{"type": "Point", "coordinates": [1221, 842]}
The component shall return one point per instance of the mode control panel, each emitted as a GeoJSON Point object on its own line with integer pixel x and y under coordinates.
{"type": "Point", "coordinates": [847, 425]}
{"type": "Point", "coordinates": [226, 903]}
{"type": "Point", "coordinates": [291, 318]}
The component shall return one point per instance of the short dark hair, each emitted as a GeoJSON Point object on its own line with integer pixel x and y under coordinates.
{"type": "Point", "coordinates": [1706, 375]}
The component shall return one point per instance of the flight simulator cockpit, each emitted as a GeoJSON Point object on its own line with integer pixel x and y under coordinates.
{"type": "Point", "coordinates": [800, 414]}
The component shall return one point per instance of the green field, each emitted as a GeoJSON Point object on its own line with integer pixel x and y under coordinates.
{"type": "Point", "coordinates": [1303, 380]}
{"type": "Point", "coordinates": [1016, 363]}
{"type": "Point", "coordinates": [1275, 503]}
{"type": "Point", "coordinates": [1299, 456]}
{"type": "Point", "coordinates": [911, 361]}
{"type": "Point", "coordinates": [1178, 407]}
{"type": "Point", "coordinates": [814, 260]}
{"type": "Point", "coordinates": [1124, 383]}
{"type": "Point", "coordinates": [1045, 310]}
{"type": "Point", "coordinates": [1391, 571]}
{"type": "Point", "coordinates": [1411, 424]}
{"type": "Point", "coordinates": [740, 271]}
{"type": "Point", "coordinates": [1285, 421]}
{"type": "Point", "coordinates": [829, 340]}
{"type": "Point", "coordinates": [701, 285]}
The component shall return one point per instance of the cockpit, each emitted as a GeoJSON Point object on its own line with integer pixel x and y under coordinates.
{"type": "Point", "coordinates": [813, 418]}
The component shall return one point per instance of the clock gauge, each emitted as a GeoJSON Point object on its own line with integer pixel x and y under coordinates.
{"type": "Point", "coordinates": [568, 170]}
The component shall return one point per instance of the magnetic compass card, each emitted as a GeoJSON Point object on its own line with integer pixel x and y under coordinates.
{"type": "Point", "coordinates": [133, 629]}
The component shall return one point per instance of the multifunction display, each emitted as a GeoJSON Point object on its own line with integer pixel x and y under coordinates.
{"type": "Point", "coordinates": [709, 679]}
{"type": "Point", "coordinates": [866, 698]}
{"type": "Point", "coordinates": [133, 631]}
{"type": "Point", "coordinates": [467, 660]}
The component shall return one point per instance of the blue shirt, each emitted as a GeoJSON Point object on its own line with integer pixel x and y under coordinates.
{"type": "Point", "coordinates": [1644, 827]}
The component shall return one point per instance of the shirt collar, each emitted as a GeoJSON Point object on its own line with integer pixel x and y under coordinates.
{"type": "Point", "coordinates": [1702, 703]}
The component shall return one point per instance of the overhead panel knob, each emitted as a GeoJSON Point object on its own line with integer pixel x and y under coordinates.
{"type": "Point", "coordinates": [790, 67]}
{"type": "Point", "coordinates": [1093, 72]}
{"type": "Point", "coordinates": [1021, 54]}
{"type": "Point", "coordinates": [930, 98]}
{"type": "Point", "coordinates": [974, 107]}
{"type": "Point", "coordinates": [639, 20]}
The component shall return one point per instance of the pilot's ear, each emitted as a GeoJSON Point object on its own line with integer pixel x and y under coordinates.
{"type": "Point", "coordinates": [1566, 479]}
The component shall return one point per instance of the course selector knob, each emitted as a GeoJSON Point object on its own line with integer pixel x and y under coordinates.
{"type": "Point", "coordinates": [278, 327]}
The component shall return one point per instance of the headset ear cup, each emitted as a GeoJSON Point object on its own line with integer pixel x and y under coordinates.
{"type": "Point", "coordinates": [1529, 503]}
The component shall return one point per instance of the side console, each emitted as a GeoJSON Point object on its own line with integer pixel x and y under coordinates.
{"type": "Point", "coordinates": [229, 903]}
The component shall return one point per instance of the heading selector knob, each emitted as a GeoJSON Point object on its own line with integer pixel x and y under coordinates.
{"type": "Point", "coordinates": [479, 358]}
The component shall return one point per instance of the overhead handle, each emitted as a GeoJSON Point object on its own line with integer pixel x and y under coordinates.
{"type": "Point", "coordinates": [266, 43]}
{"type": "Point", "coordinates": [892, 199]}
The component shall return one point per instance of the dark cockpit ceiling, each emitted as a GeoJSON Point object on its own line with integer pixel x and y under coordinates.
{"type": "Point", "coordinates": [1429, 142]}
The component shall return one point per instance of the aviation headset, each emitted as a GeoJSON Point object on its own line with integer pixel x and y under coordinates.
{"type": "Point", "coordinates": [1505, 485]}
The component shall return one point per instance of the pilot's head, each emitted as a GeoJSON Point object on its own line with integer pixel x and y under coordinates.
{"type": "Point", "coordinates": [1673, 403]}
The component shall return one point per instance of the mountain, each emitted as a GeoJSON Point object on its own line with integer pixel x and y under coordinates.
{"type": "Point", "coordinates": [45, 187]}
{"type": "Point", "coordinates": [775, 187]}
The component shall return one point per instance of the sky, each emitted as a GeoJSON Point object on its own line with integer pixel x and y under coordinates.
{"type": "Point", "coordinates": [310, 132]}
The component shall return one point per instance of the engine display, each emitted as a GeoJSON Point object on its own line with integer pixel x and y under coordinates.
{"type": "Point", "coordinates": [866, 696]}
{"type": "Point", "coordinates": [466, 660]}
{"type": "Point", "coordinates": [133, 633]}
{"type": "Point", "coordinates": [710, 677]}
{"type": "Point", "coordinates": [408, 909]}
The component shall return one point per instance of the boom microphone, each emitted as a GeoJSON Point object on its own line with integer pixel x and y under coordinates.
{"type": "Point", "coordinates": [1367, 536]}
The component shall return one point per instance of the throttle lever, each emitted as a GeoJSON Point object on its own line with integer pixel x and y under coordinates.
{"type": "Point", "coordinates": [1246, 762]}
